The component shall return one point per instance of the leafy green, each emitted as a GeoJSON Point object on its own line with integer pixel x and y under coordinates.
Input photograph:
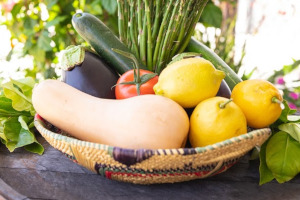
{"type": "Point", "coordinates": [279, 155]}
{"type": "Point", "coordinates": [282, 156]}
{"type": "Point", "coordinates": [16, 116]}
{"type": "Point", "coordinates": [20, 93]}
{"type": "Point", "coordinates": [211, 16]}
{"type": "Point", "coordinates": [294, 118]}
{"type": "Point", "coordinates": [6, 109]}
{"type": "Point", "coordinates": [291, 128]}
{"type": "Point", "coordinates": [43, 37]}
{"type": "Point", "coordinates": [110, 6]}
{"type": "Point", "coordinates": [286, 112]}
{"type": "Point", "coordinates": [266, 173]}
{"type": "Point", "coordinates": [44, 41]}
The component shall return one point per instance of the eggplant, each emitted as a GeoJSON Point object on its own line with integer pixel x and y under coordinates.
{"type": "Point", "coordinates": [93, 76]}
{"type": "Point", "coordinates": [224, 90]}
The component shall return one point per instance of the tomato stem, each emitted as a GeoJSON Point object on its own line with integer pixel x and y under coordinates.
{"type": "Point", "coordinates": [138, 80]}
{"type": "Point", "coordinates": [223, 105]}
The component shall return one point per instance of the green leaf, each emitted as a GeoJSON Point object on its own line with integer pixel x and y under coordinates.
{"type": "Point", "coordinates": [211, 16]}
{"type": "Point", "coordinates": [18, 134]}
{"type": "Point", "coordinates": [44, 41]}
{"type": "Point", "coordinates": [109, 6]}
{"type": "Point", "coordinates": [35, 148]}
{"type": "Point", "coordinates": [16, 9]}
{"type": "Point", "coordinates": [293, 118]}
{"type": "Point", "coordinates": [282, 156]}
{"type": "Point", "coordinates": [26, 137]}
{"type": "Point", "coordinates": [2, 135]}
{"type": "Point", "coordinates": [286, 112]}
{"type": "Point", "coordinates": [50, 3]}
{"type": "Point", "coordinates": [6, 109]}
{"type": "Point", "coordinates": [293, 129]}
{"type": "Point", "coordinates": [25, 85]}
{"type": "Point", "coordinates": [146, 77]}
{"type": "Point", "coordinates": [11, 131]}
{"type": "Point", "coordinates": [38, 53]}
{"type": "Point", "coordinates": [29, 24]}
{"type": "Point", "coordinates": [265, 174]}
{"type": "Point", "coordinates": [55, 21]}
{"type": "Point", "coordinates": [20, 91]}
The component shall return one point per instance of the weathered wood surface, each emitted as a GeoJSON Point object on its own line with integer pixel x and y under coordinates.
{"type": "Point", "coordinates": [53, 176]}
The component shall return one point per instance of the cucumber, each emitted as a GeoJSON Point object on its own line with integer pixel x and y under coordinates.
{"type": "Point", "coordinates": [231, 77]}
{"type": "Point", "coordinates": [103, 40]}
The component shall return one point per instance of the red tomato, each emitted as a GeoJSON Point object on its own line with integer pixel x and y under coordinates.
{"type": "Point", "coordinates": [124, 91]}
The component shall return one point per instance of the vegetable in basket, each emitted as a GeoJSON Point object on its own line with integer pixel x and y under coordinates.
{"type": "Point", "coordinates": [145, 121]}
{"type": "Point", "coordinates": [85, 71]}
{"type": "Point", "coordinates": [103, 40]}
{"type": "Point", "coordinates": [155, 31]}
{"type": "Point", "coordinates": [136, 81]}
{"type": "Point", "coordinates": [224, 90]}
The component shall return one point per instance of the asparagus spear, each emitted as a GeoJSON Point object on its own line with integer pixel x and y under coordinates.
{"type": "Point", "coordinates": [156, 30]}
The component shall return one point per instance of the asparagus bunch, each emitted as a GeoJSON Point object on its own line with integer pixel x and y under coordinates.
{"type": "Point", "coordinates": [156, 30]}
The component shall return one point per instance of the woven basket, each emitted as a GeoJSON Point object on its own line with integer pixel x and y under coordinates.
{"type": "Point", "coordinates": [146, 166]}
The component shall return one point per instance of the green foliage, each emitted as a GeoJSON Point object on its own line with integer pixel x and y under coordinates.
{"type": "Point", "coordinates": [211, 16]}
{"type": "Point", "coordinates": [16, 116]}
{"type": "Point", "coordinates": [279, 155]}
{"type": "Point", "coordinates": [282, 156]}
{"type": "Point", "coordinates": [44, 27]}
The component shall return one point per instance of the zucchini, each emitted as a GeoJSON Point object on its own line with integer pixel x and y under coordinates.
{"type": "Point", "coordinates": [103, 40]}
{"type": "Point", "coordinates": [231, 77]}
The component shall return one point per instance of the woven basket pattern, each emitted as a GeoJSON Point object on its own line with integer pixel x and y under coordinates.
{"type": "Point", "coordinates": [147, 166]}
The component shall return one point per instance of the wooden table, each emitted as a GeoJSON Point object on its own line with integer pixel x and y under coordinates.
{"type": "Point", "coordinates": [24, 175]}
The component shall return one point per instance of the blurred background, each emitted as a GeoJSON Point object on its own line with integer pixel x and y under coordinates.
{"type": "Point", "coordinates": [256, 38]}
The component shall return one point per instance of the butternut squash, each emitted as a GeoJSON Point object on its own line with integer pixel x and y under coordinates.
{"type": "Point", "coordinates": [146, 121]}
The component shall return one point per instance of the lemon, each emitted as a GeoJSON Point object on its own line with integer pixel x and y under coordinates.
{"type": "Point", "coordinates": [189, 81]}
{"type": "Point", "coordinates": [214, 120]}
{"type": "Point", "coordinates": [260, 101]}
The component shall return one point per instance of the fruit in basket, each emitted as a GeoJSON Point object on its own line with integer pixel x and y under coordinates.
{"type": "Point", "coordinates": [103, 40]}
{"type": "Point", "coordinates": [198, 47]}
{"type": "Point", "coordinates": [136, 81]}
{"type": "Point", "coordinates": [214, 120]}
{"type": "Point", "coordinates": [189, 81]}
{"type": "Point", "coordinates": [129, 86]}
{"type": "Point", "coordinates": [260, 101]}
{"type": "Point", "coordinates": [145, 121]}
{"type": "Point", "coordinates": [92, 76]}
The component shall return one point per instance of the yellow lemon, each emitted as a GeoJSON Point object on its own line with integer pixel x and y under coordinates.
{"type": "Point", "coordinates": [260, 101]}
{"type": "Point", "coordinates": [189, 81]}
{"type": "Point", "coordinates": [214, 120]}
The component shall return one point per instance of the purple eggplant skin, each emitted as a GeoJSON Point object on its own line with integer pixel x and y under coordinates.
{"type": "Point", "coordinates": [93, 77]}
{"type": "Point", "coordinates": [224, 90]}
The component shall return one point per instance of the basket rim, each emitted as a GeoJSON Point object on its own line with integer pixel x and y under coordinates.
{"type": "Point", "coordinates": [39, 123]}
